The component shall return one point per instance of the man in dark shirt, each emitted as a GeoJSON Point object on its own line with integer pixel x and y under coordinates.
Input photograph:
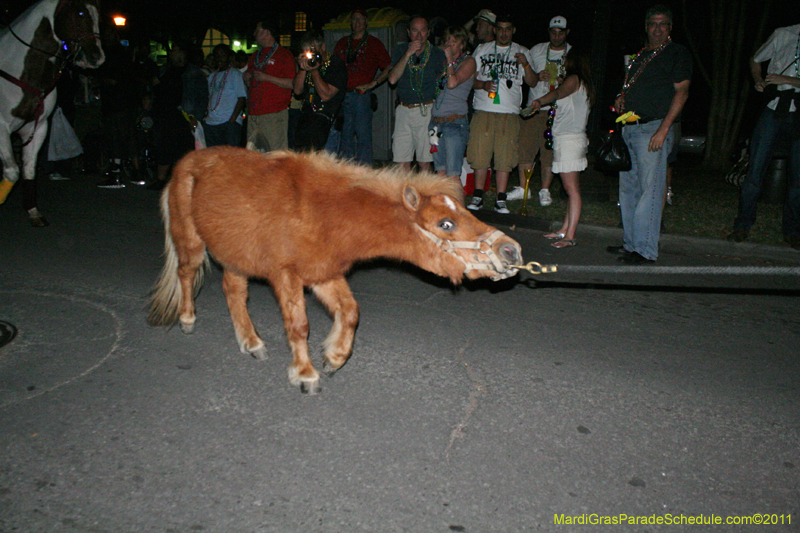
{"type": "Point", "coordinates": [656, 88]}
{"type": "Point", "coordinates": [416, 67]}
{"type": "Point", "coordinates": [321, 83]}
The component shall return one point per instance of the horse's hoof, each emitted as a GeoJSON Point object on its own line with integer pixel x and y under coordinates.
{"type": "Point", "coordinates": [328, 369]}
{"type": "Point", "coordinates": [310, 387]}
{"type": "Point", "coordinates": [187, 329]}
{"type": "Point", "coordinates": [39, 221]}
{"type": "Point", "coordinates": [260, 353]}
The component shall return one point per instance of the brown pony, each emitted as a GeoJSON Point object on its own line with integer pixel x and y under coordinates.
{"type": "Point", "coordinates": [301, 220]}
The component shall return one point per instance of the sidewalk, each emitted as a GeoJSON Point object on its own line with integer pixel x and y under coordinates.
{"type": "Point", "coordinates": [722, 259]}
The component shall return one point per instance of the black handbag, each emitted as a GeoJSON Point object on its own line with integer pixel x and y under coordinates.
{"type": "Point", "coordinates": [613, 155]}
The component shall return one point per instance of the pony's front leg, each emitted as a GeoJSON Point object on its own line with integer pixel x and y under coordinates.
{"type": "Point", "coordinates": [339, 301]}
{"type": "Point", "coordinates": [289, 291]}
{"type": "Point", "coordinates": [235, 288]}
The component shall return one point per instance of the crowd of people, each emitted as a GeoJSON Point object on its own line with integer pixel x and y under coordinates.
{"type": "Point", "coordinates": [459, 98]}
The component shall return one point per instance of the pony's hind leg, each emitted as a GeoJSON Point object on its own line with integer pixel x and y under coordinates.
{"type": "Point", "coordinates": [289, 291]}
{"type": "Point", "coordinates": [337, 298]}
{"type": "Point", "coordinates": [235, 287]}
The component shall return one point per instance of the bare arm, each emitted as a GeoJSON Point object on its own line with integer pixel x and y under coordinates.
{"type": "Point", "coordinates": [467, 71]}
{"type": "Point", "coordinates": [531, 78]}
{"type": "Point", "coordinates": [237, 111]}
{"type": "Point", "coordinates": [570, 85]}
{"type": "Point", "coordinates": [382, 77]}
{"type": "Point", "coordinates": [675, 108]}
{"type": "Point", "coordinates": [397, 71]}
{"type": "Point", "coordinates": [755, 71]}
{"type": "Point", "coordinates": [286, 83]}
{"type": "Point", "coordinates": [780, 79]}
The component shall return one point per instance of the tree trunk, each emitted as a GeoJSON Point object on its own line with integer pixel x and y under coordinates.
{"type": "Point", "coordinates": [734, 38]}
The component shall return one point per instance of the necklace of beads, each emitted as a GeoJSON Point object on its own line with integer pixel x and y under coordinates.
{"type": "Point", "coordinates": [417, 71]}
{"type": "Point", "coordinates": [626, 85]}
{"type": "Point", "coordinates": [261, 62]}
{"type": "Point", "coordinates": [221, 88]}
{"type": "Point", "coordinates": [442, 81]}
{"type": "Point", "coordinates": [312, 90]}
{"type": "Point", "coordinates": [352, 55]}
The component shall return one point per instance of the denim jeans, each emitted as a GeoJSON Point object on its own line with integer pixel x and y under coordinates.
{"type": "Point", "coordinates": [641, 190]}
{"type": "Point", "coordinates": [357, 125]}
{"type": "Point", "coordinates": [334, 142]}
{"type": "Point", "coordinates": [769, 128]}
{"type": "Point", "coordinates": [452, 145]}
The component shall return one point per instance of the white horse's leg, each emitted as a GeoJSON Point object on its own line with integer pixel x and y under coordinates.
{"type": "Point", "coordinates": [29, 153]}
{"type": "Point", "coordinates": [289, 291]}
{"type": "Point", "coordinates": [335, 295]}
{"type": "Point", "coordinates": [10, 168]}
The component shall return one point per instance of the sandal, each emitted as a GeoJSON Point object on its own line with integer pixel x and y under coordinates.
{"type": "Point", "coordinates": [554, 236]}
{"type": "Point", "coordinates": [565, 243]}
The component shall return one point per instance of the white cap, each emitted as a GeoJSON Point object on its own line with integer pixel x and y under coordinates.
{"type": "Point", "coordinates": [486, 15]}
{"type": "Point", "coordinates": [558, 22]}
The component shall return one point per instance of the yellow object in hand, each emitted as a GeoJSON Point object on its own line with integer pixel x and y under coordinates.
{"type": "Point", "coordinates": [630, 116]}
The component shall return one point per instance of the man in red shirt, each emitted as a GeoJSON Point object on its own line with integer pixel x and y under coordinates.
{"type": "Point", "coordinates": [269, 76]}
{"type": "Point", "coordinates": [364, 55]}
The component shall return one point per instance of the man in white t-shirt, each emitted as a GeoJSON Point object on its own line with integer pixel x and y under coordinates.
{"type": "Point", "coordinates": [494, 131]}
{"type": "Point", "coordinates": [227, 96]}
{"type": "Point", "coordinates": [779, 119]}
{"type": "Point", "coordinates": [547, 61]}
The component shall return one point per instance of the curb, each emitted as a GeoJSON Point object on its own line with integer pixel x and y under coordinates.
{"type": "Point", "coordinates": [673, 244]}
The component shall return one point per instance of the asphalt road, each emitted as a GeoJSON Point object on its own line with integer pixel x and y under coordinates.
{"type": "Point", "coordinates": [487, 408]}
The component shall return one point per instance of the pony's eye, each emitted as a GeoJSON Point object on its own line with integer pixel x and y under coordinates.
{"type": "Point", "coordinates": [447, 225]}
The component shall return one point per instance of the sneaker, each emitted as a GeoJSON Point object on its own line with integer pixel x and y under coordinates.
{"type": "Point", "coordinates": [475, 204]}
{"type": "Point", "coordinates": [113, 182]}
{"type": "Point", "coordinates": [500, 207]}
{"type": "Point", "coordinates": [515, 194]}
{"type": "Point", "coordinates": [544, 198]}
{"type": "Point", "coordinates": [670, 196]}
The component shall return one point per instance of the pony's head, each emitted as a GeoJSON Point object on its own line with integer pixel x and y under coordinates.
{"type": "Point", "coordinates": [469, 247]}
{"type": "Point", "coordinates": [77, 25]}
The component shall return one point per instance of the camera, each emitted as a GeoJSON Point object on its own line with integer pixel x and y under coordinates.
{"type": "Point", "coordinates": [313, 58]}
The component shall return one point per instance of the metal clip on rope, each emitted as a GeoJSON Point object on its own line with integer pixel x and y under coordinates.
{"type": "Point", "coordinates": [536, 268]}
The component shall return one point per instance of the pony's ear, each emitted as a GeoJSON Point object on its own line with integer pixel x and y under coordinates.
{"type": "Point", "coordinates": [411, 197]}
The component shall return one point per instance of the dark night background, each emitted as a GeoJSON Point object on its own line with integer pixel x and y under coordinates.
{"type": "Point", "coordinates": [160, 20]}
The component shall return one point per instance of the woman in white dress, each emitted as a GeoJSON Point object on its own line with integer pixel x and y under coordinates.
{"type": "Point", "coordinates": [573, 100]}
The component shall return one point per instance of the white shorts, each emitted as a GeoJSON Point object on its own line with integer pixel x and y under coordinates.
{"type": "Point", "coordinates": [569, 153]}
{"type": "Point", "coordinates": [411, 135]}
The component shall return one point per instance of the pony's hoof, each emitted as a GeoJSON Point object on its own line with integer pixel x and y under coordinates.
{"type": "Point", "coordinates": [310, 387]}
{"type": "Point", "coordinates": [328, 368]}
{"type": "Point", "coordinates": [260, 353]}
{"type": "Point", "coordinates": [187, 329]}
{"type": "Point", "coordinates": [39, 221]}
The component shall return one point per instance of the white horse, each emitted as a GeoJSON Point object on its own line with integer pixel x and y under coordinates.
{"type": "Point", "coordinates": [35, 48]}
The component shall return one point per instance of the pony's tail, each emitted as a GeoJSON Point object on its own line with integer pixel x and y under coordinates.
{"type": "Point", "coordinates": [166, 295]}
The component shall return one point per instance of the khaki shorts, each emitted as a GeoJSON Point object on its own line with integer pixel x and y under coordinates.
{"type": "Point", "coordinates": [493, 134]}
{"type": "Point", "coordinates": [268, 132]}
{"type": "Point", "coordinates": [411, 135]}
{"type": "Point", "coordinates": [531, 140]}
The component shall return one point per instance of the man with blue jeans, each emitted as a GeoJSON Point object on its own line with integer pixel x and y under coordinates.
{"type": "Point", "coordinates": [364, 55]}
{"type": "Point", "coordinates": [781, 118]}
{"type": "Point", "coordinates": [656, 88]}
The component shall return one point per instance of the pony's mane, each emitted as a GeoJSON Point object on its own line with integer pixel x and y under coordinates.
{"type": "Point", "coordinates": [388, 181]}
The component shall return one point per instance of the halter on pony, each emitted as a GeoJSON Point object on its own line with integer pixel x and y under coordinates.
{"type": "Point", "coordinates": [483, 245]}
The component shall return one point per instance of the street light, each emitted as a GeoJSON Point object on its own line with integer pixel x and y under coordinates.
{"type": "Point", "coordinates": [119, 20]}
